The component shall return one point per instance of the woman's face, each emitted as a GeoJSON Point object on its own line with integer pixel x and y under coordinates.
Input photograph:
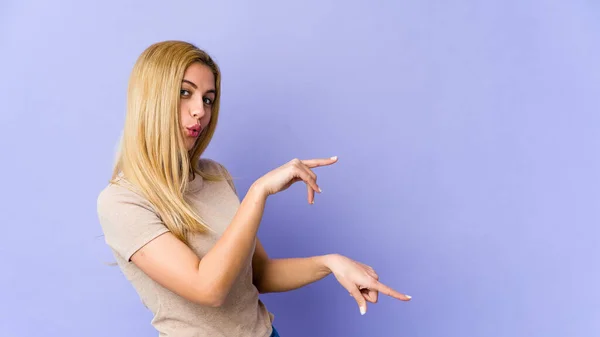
{"type": "Point", "coordinates": [197, 97]}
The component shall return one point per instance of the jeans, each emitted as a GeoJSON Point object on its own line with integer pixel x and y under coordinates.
{"type": "Point", "coordinates": [274, 333]}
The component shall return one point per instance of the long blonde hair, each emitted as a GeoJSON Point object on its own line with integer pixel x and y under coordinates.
{"type": "Point", "coordinates": [152, 154]}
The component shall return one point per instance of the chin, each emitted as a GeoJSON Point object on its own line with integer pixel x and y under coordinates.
{"type": "Point", "coordinates": [190, 145]}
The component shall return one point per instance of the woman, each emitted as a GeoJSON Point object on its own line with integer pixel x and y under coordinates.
{"type": "Point", "coordinates": [175, 224]}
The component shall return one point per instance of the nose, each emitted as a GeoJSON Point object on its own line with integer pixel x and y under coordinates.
{"type": "Point", "coordinates": [197, 111]}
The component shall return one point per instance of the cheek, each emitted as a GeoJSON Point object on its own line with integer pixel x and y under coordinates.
{"type": "Point", "coordinates": [207, 115]}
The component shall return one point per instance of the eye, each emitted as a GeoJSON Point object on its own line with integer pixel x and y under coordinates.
{"type": "Point", "coordinates": [208, 101]}
{"type": "Point", "coordinates": [184, 93]}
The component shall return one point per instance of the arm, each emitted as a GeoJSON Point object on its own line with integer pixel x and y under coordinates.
{"type": "Point", "coordinates": [279, 275]}
{"type": "Point", "coordinates": [360, 280]}
{"type": "Point", "coordinates": [207, 281]}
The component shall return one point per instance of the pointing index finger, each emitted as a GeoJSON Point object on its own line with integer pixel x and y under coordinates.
{"type": "Point", "coordinates": [382, 288]}
{"type": "Point", "coordinates": [319, 162]}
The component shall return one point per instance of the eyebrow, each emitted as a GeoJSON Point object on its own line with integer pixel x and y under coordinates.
{"type": "Point", "coordinates": [211, 91]}
{"type": "Point", "coordinates": [190, 83]}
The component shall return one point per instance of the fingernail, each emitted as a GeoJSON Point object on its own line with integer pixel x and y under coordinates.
{"type": "Point", "coordinates": [320, 190]}
{"type": "Point", "coordinates": [409, 297]}
{"type": "Point", "coordinates": [363, 310]}
{"type": "Point", "coordinates": [334, 157]}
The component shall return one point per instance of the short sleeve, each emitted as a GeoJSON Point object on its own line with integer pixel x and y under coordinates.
{"type": "Point", "coordinates": [128, 220]}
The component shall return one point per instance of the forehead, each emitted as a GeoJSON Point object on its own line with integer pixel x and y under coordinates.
{"type": "Point", "coordinates": [201, 75]}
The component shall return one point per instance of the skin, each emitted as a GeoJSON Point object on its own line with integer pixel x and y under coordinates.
{"type": "Point", "coordinates": [207, 281]}
{"type": "Point", "coordinates": [197, 97]}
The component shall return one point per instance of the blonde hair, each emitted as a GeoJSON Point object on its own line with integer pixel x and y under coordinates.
{"type": "Point", "coordinates": [152, 154]}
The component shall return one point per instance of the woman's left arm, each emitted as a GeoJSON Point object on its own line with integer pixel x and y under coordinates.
{"type": "Point", "coordinates": [279, 275]}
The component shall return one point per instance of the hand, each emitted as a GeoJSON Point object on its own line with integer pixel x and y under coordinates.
{"type": "Point", "coordinates": [295, 170]}
{"type": "Point", "coordinates": [361, 281]}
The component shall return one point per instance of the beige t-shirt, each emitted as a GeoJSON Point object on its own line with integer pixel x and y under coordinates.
{"type": "Point", "coordinates": [129, 222]}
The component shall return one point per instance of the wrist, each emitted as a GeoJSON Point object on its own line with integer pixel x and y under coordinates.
{"type": "Point", "coordinates": [258, 190]}
{"type": "Point", "coordinates": [328, 262]}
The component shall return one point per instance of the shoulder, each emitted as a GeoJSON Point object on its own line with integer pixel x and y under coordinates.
{"type": "Point", "coordinates": [118, 197]}
{"type": "Point", "coordinates": [214, 168]}
{"type": "Point", "coordinates": [115, 192]}
{"type": "Point", "coordinates": [211, 166]}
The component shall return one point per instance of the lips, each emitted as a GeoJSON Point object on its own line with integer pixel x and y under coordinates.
{"type": "Point", "coordinates": [194, 131]}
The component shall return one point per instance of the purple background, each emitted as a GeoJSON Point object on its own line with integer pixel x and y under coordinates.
{"type": "Point", "coordinates": [467, 131]}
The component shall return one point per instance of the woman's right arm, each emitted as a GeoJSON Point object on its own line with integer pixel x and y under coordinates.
{"type": "Point", "coordinates": [207, 281]}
